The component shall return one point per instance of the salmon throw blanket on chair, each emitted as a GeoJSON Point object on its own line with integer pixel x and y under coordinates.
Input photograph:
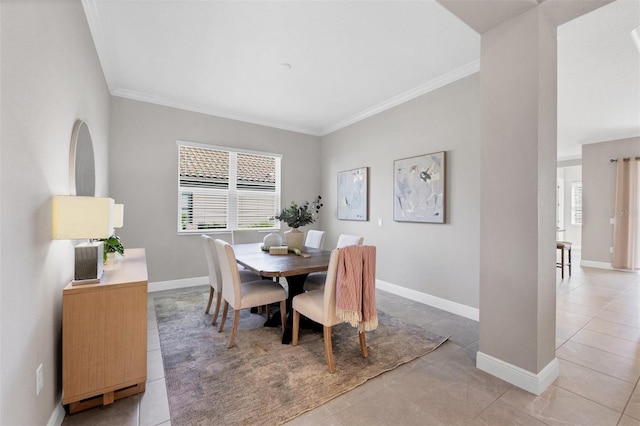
{"type": "Point", "coordinates": [356, 287]}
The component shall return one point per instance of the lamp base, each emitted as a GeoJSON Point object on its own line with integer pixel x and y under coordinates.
{"type": "Point", "coordinates": [88, 263]}
{"type": "Point", "coordinates": [81, 282]}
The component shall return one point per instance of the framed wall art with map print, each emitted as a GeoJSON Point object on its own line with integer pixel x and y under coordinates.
{"type": "Point", "coordinates": [420, 188]}
{"type": "Point", "coordinates": [353, 191]}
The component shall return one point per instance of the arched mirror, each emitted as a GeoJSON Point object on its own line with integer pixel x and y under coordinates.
{"type": "Point", "coordinates": [82, 170]}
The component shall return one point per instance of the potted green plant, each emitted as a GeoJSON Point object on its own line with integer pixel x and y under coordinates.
{"type": "Point", "coordinates": [296, 216]}
{"type": "Point", "coordinates": [112, 245]}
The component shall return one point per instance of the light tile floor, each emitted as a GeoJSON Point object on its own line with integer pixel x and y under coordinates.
{"type": "Point", "coordinates": [597, 341]}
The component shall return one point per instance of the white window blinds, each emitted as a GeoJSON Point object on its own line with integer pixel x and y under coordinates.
{"type": "Point", "coordinates": [223, 189]}
{"type": "Point", "coordinates": [576, 203]}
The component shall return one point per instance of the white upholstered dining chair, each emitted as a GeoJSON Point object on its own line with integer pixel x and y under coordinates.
{"type": "Point", "coordinates": [314, 239]}
{"type": "Point", "coordinates": [349, 240]}
{"type": "Point", "coordinates": [320, 306]}
{"type": "Point", "coordinates": [316, 280]}
{"type": "Point", "coordinates": [244, 295]}
{"type": "Point", "coordinates": [215, 281]}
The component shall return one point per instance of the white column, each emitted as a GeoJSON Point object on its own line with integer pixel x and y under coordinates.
{"type": "Point", "coordinates": [518, 175]}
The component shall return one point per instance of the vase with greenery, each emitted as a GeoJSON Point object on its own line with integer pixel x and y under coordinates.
{"type": "Point", "coordinates": [296, 216]}
{"type": "Point", "coordinates": [300, 215]}
{"type": "Point", "coordinates": [112, 245]}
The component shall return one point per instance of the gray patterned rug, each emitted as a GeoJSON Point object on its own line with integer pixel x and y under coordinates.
{"type": "Point", "coordinates": [260, 380]}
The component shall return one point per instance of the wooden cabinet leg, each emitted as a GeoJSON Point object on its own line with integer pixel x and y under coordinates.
{"type": "Point", "coordinates": [107, 398]}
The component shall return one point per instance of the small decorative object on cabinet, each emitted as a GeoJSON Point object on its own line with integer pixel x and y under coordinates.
{"type": "Point", "coordinates": [104, 335]}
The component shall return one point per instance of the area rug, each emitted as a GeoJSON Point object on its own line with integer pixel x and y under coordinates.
{"type": "Point", "coordinates": [260, 380]}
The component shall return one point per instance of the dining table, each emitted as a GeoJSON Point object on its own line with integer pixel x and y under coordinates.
{"type": "Point", "coordinates": [295, 268]}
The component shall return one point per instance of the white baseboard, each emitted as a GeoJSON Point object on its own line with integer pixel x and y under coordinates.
{"type": "Point", "coordinates": [57, 416]}
{"type": "Point", "coordinates": [185, 282]}
{"type": "Point", "coordinates": [603, 265]}
{"type": "Point", "coordinates": [594, 264]}
{"type": "Point", "coordinates": [427, 299]}
{"type": "Point", "coordinates": [534, 383]}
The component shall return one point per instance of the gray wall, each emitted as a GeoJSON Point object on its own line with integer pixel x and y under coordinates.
{"type": "Point", "coordinates": [50, 78]}
{"type": "Point", "coordinates": [144, 176]}
{"type": "Point", "coordinates": [437, 259]}
{"type": "Point", "coordinates": [599, 183]}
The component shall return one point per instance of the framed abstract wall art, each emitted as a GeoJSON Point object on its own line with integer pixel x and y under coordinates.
{"type": "Point", "coordinates": [420, 188]}
{"type": "Point", "coordinates": [353, 189]}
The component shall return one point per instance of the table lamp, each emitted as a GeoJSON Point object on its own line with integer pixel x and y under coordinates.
{"type": "Point", "coordinates": [118, 215]}
{"type": "Point", "coordinates": [76, 218]}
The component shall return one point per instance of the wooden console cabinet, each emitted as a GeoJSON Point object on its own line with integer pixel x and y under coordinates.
{"type": "Point", "coordinates": [104, 335]}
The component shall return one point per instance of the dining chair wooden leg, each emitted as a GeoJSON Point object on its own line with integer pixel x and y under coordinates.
{"type": "Point", "coordinates": [283, 314]}
{"type": "Point", "coordinates": [296, 327]}
{"type": "Point", "coordinates": [225, 310]}
{"type": "Point", "coordinates": [216, 310]}
{"type": "Point", "coordinates": [211, 290]}
{"type": "Point", "coordinates": [363, 345]}
{"type": "Point", "coordinates": [234, 329]}
{"type": "Point", "coordinates": [569, 259]}
{"type": "Point", "coordinates": [266, 309]}
{"type": "Point", "coordinates": [328, 350]}
{"type": "Point", "coordinates": [562, 263]}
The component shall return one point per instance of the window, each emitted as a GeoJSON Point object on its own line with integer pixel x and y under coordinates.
{"type": "Point", "coordinates": [576, 203]}
{"type": "Point", "coordinates": [224, 189]}
{"type": "Point", "coordinates": [559, 203]}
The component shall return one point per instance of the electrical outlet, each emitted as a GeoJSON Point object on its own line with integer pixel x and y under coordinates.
{"type": "Point", "coordinates": [39, 380]}
{"type": "Point", "coordinates": [610, 249]}
{"type": "Point", "coordinates": [380, 222]}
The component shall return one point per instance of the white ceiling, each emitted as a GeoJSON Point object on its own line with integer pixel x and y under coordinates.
{"type": "Point", "coordinates": [598, 77]}
{"type": "Point", "coordinates": [348, 60]}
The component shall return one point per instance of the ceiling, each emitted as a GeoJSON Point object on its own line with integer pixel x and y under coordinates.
{"type": "Point", "coordinates": [599, 77]}
{"type": "Point", "coordinates": [317, 66]}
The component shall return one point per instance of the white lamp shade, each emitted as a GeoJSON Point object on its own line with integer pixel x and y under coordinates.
{"type": "Point", "coordinates": [118, 215]}
{"type": "Point", "coordinates": [76, 218]}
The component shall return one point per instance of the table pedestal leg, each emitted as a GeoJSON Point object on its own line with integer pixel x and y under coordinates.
{"type": "Point", "coordinates": [296, 286]}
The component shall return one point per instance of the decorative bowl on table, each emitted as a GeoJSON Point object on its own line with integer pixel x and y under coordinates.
{"type": "Point", "coordinates": [271, 240]}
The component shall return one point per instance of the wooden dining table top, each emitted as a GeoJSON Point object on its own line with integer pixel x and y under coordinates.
{"type": "Point", "coordinates": [252, 257]}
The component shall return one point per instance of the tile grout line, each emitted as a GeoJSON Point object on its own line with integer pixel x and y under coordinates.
{"type": "Point", "coordinates": [628, 401]}
{"type": "Point", "coordinates": [603, 350]}
{"type": "Point", "coordinates": [590, 400]}
{"type": "Point", "coordinates": [152, 304]}
{"type": "Point", "coordinates": [591, 318]}
{"type": "Point", "coordinates": [596, 371]}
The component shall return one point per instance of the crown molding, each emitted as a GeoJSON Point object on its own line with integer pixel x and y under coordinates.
{"type": "Point", "coordinates": [97, 33]}
{"type": "Point", "coordinates": [427, 87]}
{"type": "Point", "coordinates": [159, 100]}
{"type": "Point", "coordinates": [113, 81]}
{"type": "Point", "coordinates": [619, 136]}
{"type": "Point", "coordinates": [569, 158]}
{"type": "Point", "coordinates": [420, 90]}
